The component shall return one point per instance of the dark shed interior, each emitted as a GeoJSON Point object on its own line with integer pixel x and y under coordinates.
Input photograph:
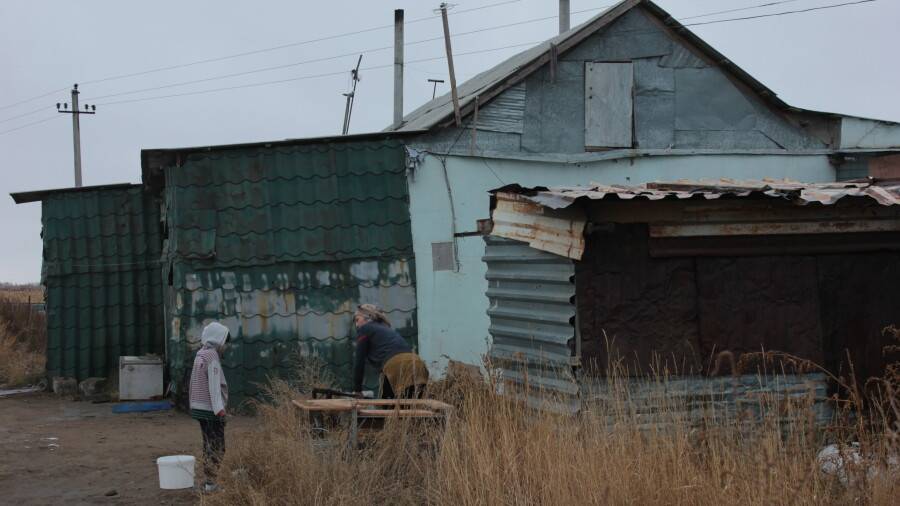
{"type": "Point", "coordinates": [652, 297]}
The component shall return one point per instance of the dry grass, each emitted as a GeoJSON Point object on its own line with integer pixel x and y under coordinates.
{"type": "Point", "coordinates": [496, 451]}
{"type": "Point", "coordinates": [19, 364]}
{"type": "Point", "coordinates": [21, 293]}
{"type": "Point", "coordinates": [23, 340]}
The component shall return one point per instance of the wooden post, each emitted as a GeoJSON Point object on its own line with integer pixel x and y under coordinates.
{"type": "Point", "coordinates": [453, 93]}
{"type": "Point", "coordinates": [474, 127]}
{"type": "Point", "coordinates": [354, 427]}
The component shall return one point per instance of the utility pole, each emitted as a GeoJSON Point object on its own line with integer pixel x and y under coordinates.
{"type": "Point", "coordinates": [76, 130]}
{"type": "Point", "coordinates": [450, 64]}
{"type": "Point", "coordinates": [348, 109]}
{"type": "Point", "coordinates": [398, 67]}
{"type": "Point", "coordinates": [434, 90]}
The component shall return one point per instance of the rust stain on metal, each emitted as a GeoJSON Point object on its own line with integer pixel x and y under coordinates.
{"type": "Point", "coordinates": [557, 232]}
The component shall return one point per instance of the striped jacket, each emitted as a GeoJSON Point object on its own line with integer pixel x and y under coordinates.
{"type": "Point", "coordinates": [209, 391]}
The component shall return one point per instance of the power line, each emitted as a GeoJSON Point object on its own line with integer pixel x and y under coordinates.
{"type": "Point", "coordinates": [26, 125]}
{"type": "Point", "coordinates": [249, 53]}
{"type": "Point", "coordinates": [273, 48]}
{"type": "Point", "coordinates": [739, 9]}
{"type": "Point", "coordinates": [303, 78]}
{"type": "Point", "coordinates": [783, 13]}
{"type": "Point", "coordinates": [32, 99]}
{"type": "Point", "coordinates": [29, 113]}
{"type": "Point", "coordinates": [325, 58]}
{"type": "Point", "coordinates": [461, 54]}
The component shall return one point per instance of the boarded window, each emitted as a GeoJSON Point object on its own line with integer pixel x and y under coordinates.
{"type": "Point", "coordinates": [608, 105]}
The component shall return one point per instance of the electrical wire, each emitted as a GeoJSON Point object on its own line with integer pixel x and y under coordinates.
{"type": "Point", "coordinates": [831, 6]}
{"type": "Point", "coordinates": [32, 99]}
{"type": "Point", "coordinates": [739, 9]}
{"type": "Point", "coordinates": [29, 113]}
{"type": "Point", "coordinates": [783, 13]}
{"type": "Point", "coordinates": [26, 125]}
{"type": "Point", "coordinates": [322, 59]}
{"type": "Point", "coordinates": [305, 77]}
{"type": "Point", "coordinates": [253, 52]}
{"type": "Point", "coordinates": [384, 48]}
{"type": "Point", "coordinates": [474, 52]}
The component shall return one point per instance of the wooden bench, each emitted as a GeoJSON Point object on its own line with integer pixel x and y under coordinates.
{"type": "Point", "coordinates": [361, 411]}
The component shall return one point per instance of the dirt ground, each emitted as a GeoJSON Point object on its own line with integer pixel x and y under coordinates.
{"type": "Point", "coordinates": [58, 451]}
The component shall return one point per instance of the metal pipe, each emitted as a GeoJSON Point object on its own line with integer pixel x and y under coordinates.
{"type": "Point", "coordinates": [398, 67]}
{"type": "Point", "coordinates": [563, 16]}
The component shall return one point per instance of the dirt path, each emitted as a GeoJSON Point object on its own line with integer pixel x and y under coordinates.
{"type": "Point", "coordinates": [56, 451]}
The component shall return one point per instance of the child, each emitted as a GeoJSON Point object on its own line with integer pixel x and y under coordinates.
{"type": "Point", "coordinates": [209, 396]}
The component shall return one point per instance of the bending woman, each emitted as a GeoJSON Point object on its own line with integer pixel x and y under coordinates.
{"type": "Point", "coordinates": [403, 373]}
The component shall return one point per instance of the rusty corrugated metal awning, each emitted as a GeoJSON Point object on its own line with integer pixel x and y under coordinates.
{"type": "Point", "coordinates": [886, 194]}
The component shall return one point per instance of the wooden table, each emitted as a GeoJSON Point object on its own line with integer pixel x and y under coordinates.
{"type": "Point", "coordinates": [362, 410]}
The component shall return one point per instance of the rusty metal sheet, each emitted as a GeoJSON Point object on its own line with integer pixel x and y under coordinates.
{"type": "Point", "coordinates": [886, 194]}
{"type": "Point", "coordinates": [556, 232]}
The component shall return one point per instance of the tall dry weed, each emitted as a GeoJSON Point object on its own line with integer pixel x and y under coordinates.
{"type": "Point", "coordinates": [19, 364]}
{"type": "Point", "coordinates": [23, 341]}
{"type": "Point", "coordinates": [24, 322]}
{"type": "Point", "coordinates": [498, 451]}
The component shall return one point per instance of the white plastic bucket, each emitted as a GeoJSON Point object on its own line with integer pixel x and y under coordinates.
{"type": "Point", "coordinates": [176, 471]}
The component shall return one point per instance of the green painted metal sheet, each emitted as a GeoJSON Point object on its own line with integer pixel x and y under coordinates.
{"type": "Point", "coordinates": [103, 281]}
{"type": "Point", "coordinates": [281, 244]}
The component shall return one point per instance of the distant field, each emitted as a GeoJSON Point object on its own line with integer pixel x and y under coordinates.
{"type": "Point", "coordinates": [21, 293]}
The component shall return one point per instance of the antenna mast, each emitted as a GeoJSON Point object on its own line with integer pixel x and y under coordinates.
{"type": "Point", "coordinates": [348, 109]}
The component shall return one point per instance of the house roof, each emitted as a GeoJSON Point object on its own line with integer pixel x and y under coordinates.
{"type": "Point", "coordinates": [512, 71]}
{"type": "Point", "coordinates": [153, 160]}
{"type": "Point", "coordinates": [36, 195]}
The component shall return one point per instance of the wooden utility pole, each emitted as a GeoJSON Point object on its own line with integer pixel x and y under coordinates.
{"type": "Point", "coordinates": [456, 113]}
{"type": "Point", "coordinates": [76, 128]}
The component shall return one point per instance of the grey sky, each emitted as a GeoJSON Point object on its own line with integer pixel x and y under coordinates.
{"type": "Point", "coordinates": [839, 60]}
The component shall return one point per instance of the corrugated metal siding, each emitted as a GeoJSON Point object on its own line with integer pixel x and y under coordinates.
{"type": "Point", "coordinates": [102, 275]}
{"type": "Point", "coordinates": [532, 313]}
{"type": "Point", "coordinates": [692, 399]}
{"type": "Point", "coordinates": [505, 113]}
{"type": "Point", "coordinates": [280, 244]}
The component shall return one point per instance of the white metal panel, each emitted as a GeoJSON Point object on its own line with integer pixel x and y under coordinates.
{"type": "Point", "coordinates": [140, 378]}
{"type": "Point", "coordinates": [608, 105]}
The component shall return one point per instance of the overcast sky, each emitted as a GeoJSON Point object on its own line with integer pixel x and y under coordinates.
{"type": "Point", "coordinates": [840, 60]}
